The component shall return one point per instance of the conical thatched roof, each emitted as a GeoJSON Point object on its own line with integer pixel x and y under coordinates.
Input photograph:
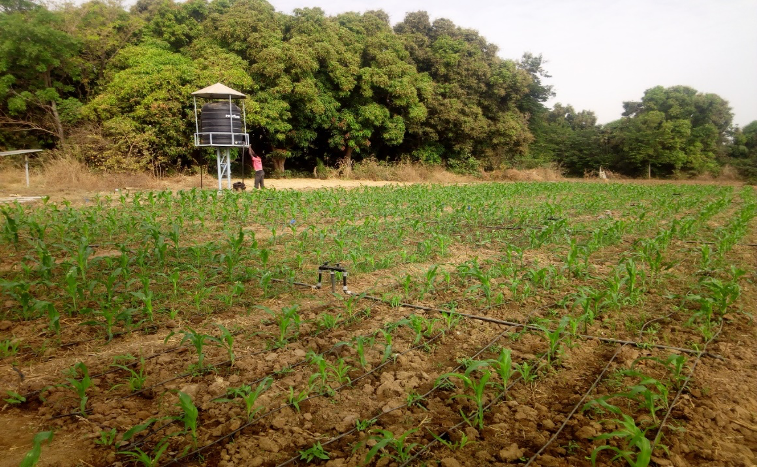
{"type": "Point", "coordinates": [218, 91]}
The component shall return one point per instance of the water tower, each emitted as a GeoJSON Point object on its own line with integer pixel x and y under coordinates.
{"type": "Point", "coordinates": [221, 125]}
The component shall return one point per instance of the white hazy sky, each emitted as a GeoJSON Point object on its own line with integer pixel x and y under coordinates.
{"type": "Point", "coordinates": [603, 52]}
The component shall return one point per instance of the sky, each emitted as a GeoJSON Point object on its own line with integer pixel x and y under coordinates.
{"type": "Point", "coordinates": [601, 53]}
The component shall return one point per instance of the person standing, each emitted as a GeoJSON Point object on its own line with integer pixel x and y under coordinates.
{"type": "Point", "coordinates": [257, 167]}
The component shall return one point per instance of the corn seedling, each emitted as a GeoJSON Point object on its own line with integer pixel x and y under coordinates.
{"type": "Point", "coordinates": [188, 416]}
{"type": "Point", "coordinates": [328, 321]}
{"type": "Point", "coordinates": [79, 385]}
{"type": "Point", "coordinates": [32, 457]}
{"type": "Point", "coordinates": [450, 444]}
{"type": "Point", "coordinates": [248, 396]}
{"type": "Point", "coordinates": [136, 378]}
{"type": "Point", "coordinates": [636, 450]}
{"type": "Point", "coordinates": [362, 425]}
{"type": "Point", "coordinates": [386, 440]}
{"type": "Point", "coordinates": [316, 451]}
{"type": "Point", "coordinates": [503, 366]}
{"type": "Point", "coordinates": [107, 438]}
{"type": "Point", "coordinates": [526, 371]}
{"type": "Point", "coordinates": [554, 338]}
{"type": "Point", "coordinates": [477, 387]}
{"type": "Point", "coordinates": [14, 398]}
{"type": "Point", "coordinates": [146, 459]}
{"type": "Point", "coordinates": [295, 399]}
{"type": "Point", "coordinates": [361, 343]}
{"type": "Point", "coordinates": [414, 399]}
{"type": "Point", "coordinates": [198, 342]}
{"type": "Point", "coordinates": [286, 320]}
{"type": "Point", "coordinates": [8, 348]}
{"type": "Point", "coordinates": [225, 341]}
{"type": "Point", "coordinates": [110, 318]}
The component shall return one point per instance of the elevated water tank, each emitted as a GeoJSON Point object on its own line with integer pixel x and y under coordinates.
{"type": "Point", "coordinates": [219, 122]}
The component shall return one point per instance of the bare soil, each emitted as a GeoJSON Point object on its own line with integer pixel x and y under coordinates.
{"type": "Point", "coordinates": [713, 423]}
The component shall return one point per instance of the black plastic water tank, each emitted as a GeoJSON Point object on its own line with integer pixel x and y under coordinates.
{"type": "Point", "coordinates": [216, 117]}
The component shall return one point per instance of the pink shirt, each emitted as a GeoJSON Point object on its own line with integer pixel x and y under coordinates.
{"type": "Point", "coordinates": [257, 164]}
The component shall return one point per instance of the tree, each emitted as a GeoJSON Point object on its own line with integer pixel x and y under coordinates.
{"type": "Point", "coordinates": [676, 128]}
{"type": "Point", "coordinates": [373, 113]}
{"type": "Point", "coordinates": [742, 150]}
{"type": "Point", "coordinates": [36, 70]}
{"type": "Point", "coordinates": [147, 106]}
{"type": "Point", "coordinates": [473, 98]}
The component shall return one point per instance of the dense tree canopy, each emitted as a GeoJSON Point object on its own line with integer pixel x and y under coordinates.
{"type": "Point", "coordinates": [113, 87]}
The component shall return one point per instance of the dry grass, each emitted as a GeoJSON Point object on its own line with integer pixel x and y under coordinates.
{"type": "Point", "coordinates": [371, 169]}
{"type": "Point", "coordinates": [545, 173]}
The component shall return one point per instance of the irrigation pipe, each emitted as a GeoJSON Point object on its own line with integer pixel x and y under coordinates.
{"type": "Point", "coordinates": [681, 389]}
{"type": "Point", "coordinates": [539, 365]}
{"type": "Point", "coordinates": [231, 434]}
{"type": "Point", "coordinates": [272, 374]}
{"type": "Point", "coordinates": [571, 414]}
{"type": "Point", "coordinates": [586, 394]}
{"type": "Point", "coordinates": [421, 397]}
{"type": "Point", "coordinates": [532, 327]}
{"type": "Point", "coordinates": [30, 394]}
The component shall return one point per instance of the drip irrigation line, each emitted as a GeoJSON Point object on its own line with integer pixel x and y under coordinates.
{"type": "Point", "coordinates": [713, 243]}
{"type": "Point", "coordinates": [681, 389]}
{"type": "Point", "coordinates": [135, 362]}
{"type": "Point", "coordinates": [586, 394]}
{"type": "Point", "coordinates": [31, 394]}
{"type": "Point", "coordinates": [576, 407]}
{"type": "Point", "coordinates": [532, 327]}
{"type": "Point", "coordinates": [421, 397]}
{"type": "Point", "coordinates": [231, 434]}
{"type": "Point", "coordinates": [75, 343]}
{"type": "Point", "coordinates": [272, 374]}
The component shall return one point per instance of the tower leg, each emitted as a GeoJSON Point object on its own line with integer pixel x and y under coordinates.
{"type": "Point", "coordinates": [224, 167]}
{"type": "Point", "coordinates": [228, 152]}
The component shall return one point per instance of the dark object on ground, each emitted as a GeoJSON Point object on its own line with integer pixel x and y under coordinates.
{"type": "Point", "coordinates": [239, 186]}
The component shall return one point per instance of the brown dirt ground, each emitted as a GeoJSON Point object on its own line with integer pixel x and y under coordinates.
{"type": "Point", "coordinates": [718, 414]}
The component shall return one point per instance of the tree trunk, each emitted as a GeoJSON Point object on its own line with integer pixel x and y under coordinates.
{"type": "Point", "coordinates": [278, 164]}
{"type": "Point", "coordinates": [58, 124]}
{"type": "Point", "coordinates": [54, 108]}
{"type": "Point", "coordinates": [648, 170]}
{"type": "Point", "coordinates": [346, 164]}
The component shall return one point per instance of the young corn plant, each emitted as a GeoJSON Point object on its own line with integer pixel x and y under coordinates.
{"type": "Point", "coordinates": [107, 438]}
{"type": "Point", "coordinates": [188, 416]}
{"type": "Point", "coordinates": [79, 384]}
{"type": "Point", "coordinates": [635, 448]}
{"type": "Point", "coordinates": [248, 395]}
{"type": "Point", "coordinates": [503, 365]}
{"type": "Point", "coordinates": [391, 446]}
{"type": "Point", "coordinates": [225, 341]}
{"type": "Point", "coordinates": [32, 457]}
{"type": "Point", "coordinates": [328, 321]}
{"type": "Point", "coordinates": [146, 459]}
{"type": "Point", "coordinates": [110, 319]}
{"type": "Point", "coordinates": [136, 378]}
{"type": "Point", "coordinates": [339, 370]}
{"type": "Point", "coordinates": [554, 338]}
{"type": "Point", "coordinates": [316, 451]}
{"type": "Point", "coordinates": [288, 319]}
{"type": "Point", "coordinates": [527, 372]}
{"type": "Point", "coordinates": [295, 399]}
{"type": "Point", "coordinates": [14, 398]}
{"type": "Point", "coordinates": [477, 387]}
{"type": "Point", "coordinates": [198, 341]}
{"type": "Point", "coordinates": [321, 377]}
{"type": "Point", "coordinates": [361, 343]}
